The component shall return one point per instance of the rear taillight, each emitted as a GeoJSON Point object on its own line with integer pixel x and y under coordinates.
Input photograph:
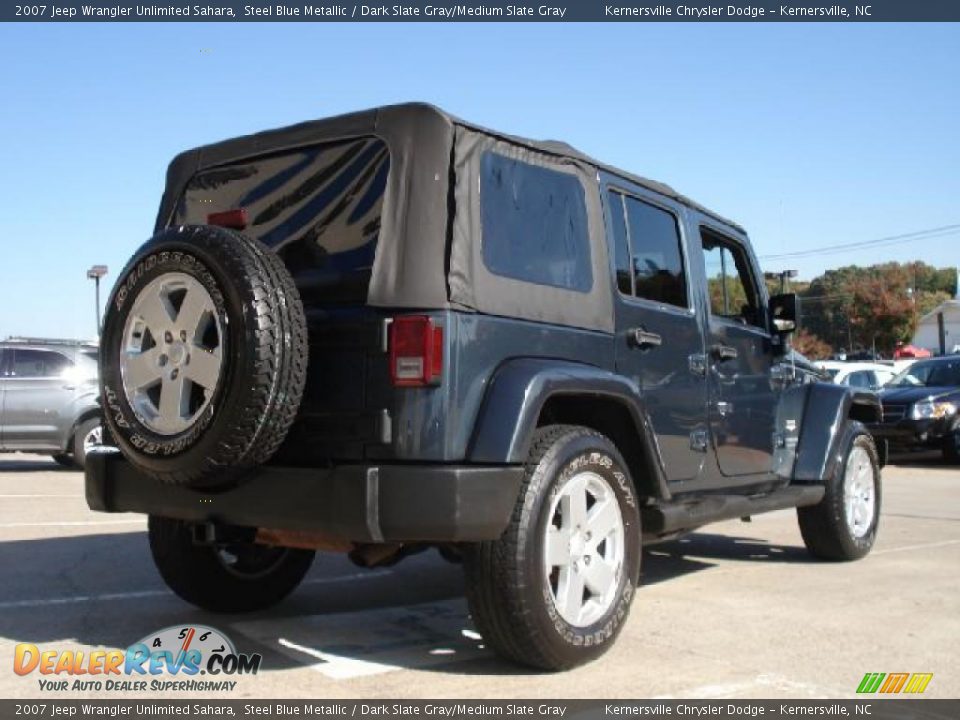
{"type": "Point", "coordinates": [235, 219]}
{"type": "Point", "coordinates": [416, 351]}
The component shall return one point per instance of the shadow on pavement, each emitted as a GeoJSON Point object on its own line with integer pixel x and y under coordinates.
{"type": "Point", "coordinates": [920, 459]}
{"type": "Point", "coordinates": [695, 552]}
{"type": "Point", "coordinates": [13, 464]}
{"type": "Point", "coordinates": [103, 591]}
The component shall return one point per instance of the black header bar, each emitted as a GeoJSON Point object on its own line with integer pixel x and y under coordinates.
{"type": "Point", "coordinates": [481, 11]}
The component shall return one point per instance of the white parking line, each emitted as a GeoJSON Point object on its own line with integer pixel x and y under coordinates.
{"type": "Point", "coordinates": [13, 604]}
{"type": "Point", "coordinates": [922, 546]}
{"type": "Point", "coordinates": [361, 643]}
{"type": "Point", "coordinates": [74, 523]}
{"type": "Point", "coordinates": [41, 496]}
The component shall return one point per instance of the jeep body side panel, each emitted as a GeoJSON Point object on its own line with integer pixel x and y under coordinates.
{"type": "Point", "coordinates": [350, 412]}
{"type": "Point", "coordinates": [827, 411]}
{"type": "Point", "coordinates": [521, 388]}
{"type": "Point", "coordinates": [661, 360]}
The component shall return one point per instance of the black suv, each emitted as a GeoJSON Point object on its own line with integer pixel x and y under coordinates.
{"type": "Point", "coordinates": [394, 329]}
{"type": "Point", "coordinates": [921, 408]}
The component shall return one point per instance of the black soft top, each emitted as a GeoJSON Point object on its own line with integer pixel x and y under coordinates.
{"type": "Point", "coordinates": [428, 255]}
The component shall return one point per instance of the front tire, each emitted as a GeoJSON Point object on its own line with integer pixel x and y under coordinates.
{"type": "Point", "coordinates": [951, 446]}
{"type": "Point", "coordinates": [89, 435]}
{"type": "Point", "coordinates": [64, 460]}
{"type": "Point", "coordinates": [843, 525]}
{"type": "Point", "coordinates": [227, 578]}
{"type": "Point", "coordinates": [555, 590]}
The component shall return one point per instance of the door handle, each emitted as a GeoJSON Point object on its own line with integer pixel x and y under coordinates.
{"type": "Point", "coordinates": [644, 339]}
{"type": "Point", "coordinates": [723, 352]}
{"type": "Point", "coordinates": [69, 387]}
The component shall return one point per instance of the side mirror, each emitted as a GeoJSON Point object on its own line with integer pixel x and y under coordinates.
{"type": "Point", "coordinates": [784, 313]}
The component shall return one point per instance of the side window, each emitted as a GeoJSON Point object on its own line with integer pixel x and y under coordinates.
{"type": "Point", "coordinates": [647, 254]}
{"type": "Point", "coordinates": [732, 290]}
{"type": "Point", "coordinates": [534, 224]}
{"type": "Point", "coordinates": [39, 364]}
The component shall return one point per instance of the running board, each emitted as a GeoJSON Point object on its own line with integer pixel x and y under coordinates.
{"type": "Point", "coordinates": [689, 514]}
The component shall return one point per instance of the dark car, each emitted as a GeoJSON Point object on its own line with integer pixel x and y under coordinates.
{"type": "Point", "coordinates": [395, 329]}
{"type": "Point", "coordinates": [921, 407]}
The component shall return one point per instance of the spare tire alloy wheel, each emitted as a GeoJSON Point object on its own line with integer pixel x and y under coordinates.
{"type": "Point", "coordinates": [203, 358]}
{"type": "Point", "coordinates": [172, 354]}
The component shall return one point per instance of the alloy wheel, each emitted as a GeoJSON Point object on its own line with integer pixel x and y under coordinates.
{"type": "Point", "coordinates": [172, 353]}
{"type": "Point", "coordinates": [584, 549]}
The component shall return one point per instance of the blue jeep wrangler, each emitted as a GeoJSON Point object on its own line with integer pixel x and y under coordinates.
{"type": "Point", "coordinates": [394, 329]}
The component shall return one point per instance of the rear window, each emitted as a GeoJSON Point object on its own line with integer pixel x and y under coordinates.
{"type": "Point", "coordinates": [534, 222]}
{"type": "Point", "coordinates": [318, 207]}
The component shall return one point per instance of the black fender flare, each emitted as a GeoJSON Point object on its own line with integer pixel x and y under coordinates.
{"type": "Point", "coordinates": [520, 388]}
{"type": "Point", "coordinates": [812, 423]}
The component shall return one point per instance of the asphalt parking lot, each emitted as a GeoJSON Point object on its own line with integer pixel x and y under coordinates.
{"type": "Point", "coordinates": [735, 611]}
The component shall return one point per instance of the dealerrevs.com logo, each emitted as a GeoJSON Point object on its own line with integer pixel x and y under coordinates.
{"type": "Point", "coordinates": [165, 661]}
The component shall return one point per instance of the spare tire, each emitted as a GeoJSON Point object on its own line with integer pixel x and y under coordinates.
{"type": "Point", "coordinates": [203, 356]}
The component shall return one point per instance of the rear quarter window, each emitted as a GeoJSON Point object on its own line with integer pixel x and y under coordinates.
{"type": "Point", "coordinates": [534, 224]}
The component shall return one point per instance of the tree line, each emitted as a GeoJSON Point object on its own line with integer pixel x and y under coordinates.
{"type": "Point", "coordinates": [867, 308]}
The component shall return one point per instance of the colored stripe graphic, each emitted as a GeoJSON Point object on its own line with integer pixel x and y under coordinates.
{"type": "Point", "coordinates": [918, 682]}
{"type": "Point", "coordinates": [894, 683]}
{"type": "Point", "coordinates": [870, 682]}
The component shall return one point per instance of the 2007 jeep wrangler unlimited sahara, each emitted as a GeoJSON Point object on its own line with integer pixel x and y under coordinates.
{"type": "Point", "coordinates": [522, 356]}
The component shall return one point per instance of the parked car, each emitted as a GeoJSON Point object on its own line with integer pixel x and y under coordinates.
{"type": "Point", "coordinates": [527, 358]}
{"type": "Point", "coordinates": [920, 407]}
{"type": "Point", "coordinates": [805, 369]}
{"type": "Point", "coordinates": [48, 398]}
{"type": "Point", "coordinates": [858, 374]}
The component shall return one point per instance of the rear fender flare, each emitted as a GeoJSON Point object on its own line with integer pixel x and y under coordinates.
{"type": "Point", "coordinates": [518, 392]}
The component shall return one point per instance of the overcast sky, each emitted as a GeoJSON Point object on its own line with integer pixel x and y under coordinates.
{"type": "Point", "coordinates": [809, 135]}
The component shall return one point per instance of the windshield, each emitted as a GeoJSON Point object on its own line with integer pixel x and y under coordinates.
{"type": "Point", "coordinates": [929, 374]}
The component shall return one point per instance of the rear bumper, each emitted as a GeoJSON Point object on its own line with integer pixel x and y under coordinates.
{"type": "Point", "coordinates": [361, 503]}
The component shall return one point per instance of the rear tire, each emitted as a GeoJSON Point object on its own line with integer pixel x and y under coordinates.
{"type": "Point", "coordinates": [225, 578]}
{"type": "Point", "coordinates": [843, 525]}
{"type": "Point", "coordinates": [555, 590]}
{"type": "Point", "coordinates": [204, 356]}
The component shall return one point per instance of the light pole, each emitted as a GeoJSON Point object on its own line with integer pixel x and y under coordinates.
{"type": "Point", "coordinates": [95, 273]}
{"type": "Point", "coordinates": [784, 275]}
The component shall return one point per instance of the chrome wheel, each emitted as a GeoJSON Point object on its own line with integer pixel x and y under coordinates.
{"type": "Point", "coordinates": [93, 439]}
{"type": "Point", "coordinates": [584, 549]}
{"type": "Point", "coordinates": [859, 492]}
{"type": "Point", "coordinates": [172, 353]}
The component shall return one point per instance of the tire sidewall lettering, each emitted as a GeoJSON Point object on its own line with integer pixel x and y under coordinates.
{"type": "Point", "coordinates": [120, 412]}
